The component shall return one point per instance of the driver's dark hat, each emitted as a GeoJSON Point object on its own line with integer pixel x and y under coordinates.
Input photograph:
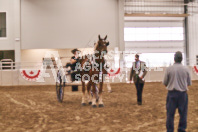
{"type": "Point", "coordinates": [74, 50]}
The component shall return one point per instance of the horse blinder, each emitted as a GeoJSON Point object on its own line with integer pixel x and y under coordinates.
{"type": "Point", "coordinates": [107, 44]}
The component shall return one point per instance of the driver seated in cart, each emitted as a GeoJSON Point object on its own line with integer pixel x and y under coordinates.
{"type": "Point", "coordinates": [72, 67]}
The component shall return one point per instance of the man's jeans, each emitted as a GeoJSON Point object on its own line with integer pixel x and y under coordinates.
{"type": "Point", "coordinates": [176, 99]}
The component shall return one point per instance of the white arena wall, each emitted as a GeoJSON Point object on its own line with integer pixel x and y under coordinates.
{"type": "Point", "coordinates": [64, 24]}
{"type": "Point", "coordinates": [7, 43]}
{"type": "Point", "coordinates": [37, 55]}
{"type": "Point", "coordinates": [60, 24]}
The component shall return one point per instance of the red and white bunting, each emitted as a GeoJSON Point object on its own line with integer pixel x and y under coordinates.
{"type": "Point", "coordinates": [112, 72]}
{"type": "Point", "coordinates": [30, 74]}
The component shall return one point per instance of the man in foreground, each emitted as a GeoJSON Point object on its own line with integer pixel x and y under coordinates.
{"type": "Point", "coordinates": [177, 79]}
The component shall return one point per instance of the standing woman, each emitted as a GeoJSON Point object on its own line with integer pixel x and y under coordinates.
{"type": "Point", "coordinates": [74, 60]}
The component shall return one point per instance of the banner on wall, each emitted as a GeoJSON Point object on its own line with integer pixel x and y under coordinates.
{"type": "Point", "coordinates": [195, 69]}
{"type": "Point", "coordinates": [113, 72]}
{"type": "Point", "coordinates": [31, 75]}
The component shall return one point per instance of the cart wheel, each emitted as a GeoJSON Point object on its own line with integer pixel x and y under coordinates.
{"type": "Point", "coordinates": [59, 89]}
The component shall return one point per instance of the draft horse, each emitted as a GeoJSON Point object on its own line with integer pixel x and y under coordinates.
{"type": "Point", "coordinates": [95, 73]}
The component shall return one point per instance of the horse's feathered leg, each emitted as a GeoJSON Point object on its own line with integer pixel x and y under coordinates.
{"type": "Point", "coordinates": [97, 94]}
{"type": "Point", "coordinates": [83, 96]}
{"type": "Point", "coordinates": [89, 92]}
{"type": "Point", "coordinates": [100, 95]}
{"type": "Point", "coordinates": [94, 95]}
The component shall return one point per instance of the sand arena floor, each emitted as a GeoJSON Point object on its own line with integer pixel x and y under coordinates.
{"type": "Point", "coordinates": [36, 109]}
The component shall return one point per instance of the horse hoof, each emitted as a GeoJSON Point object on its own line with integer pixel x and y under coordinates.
{"type": "Point", "coordinates": [83, 104]}
{"type": "Point", "coordinates": [94, 106]}
{"type": "Point", "coordinates": [90, 103]}
{"type": "Point", "coordinates": [101, 105]}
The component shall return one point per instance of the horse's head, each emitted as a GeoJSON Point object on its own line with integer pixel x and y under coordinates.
{"type": "Point", "coordinates": [101, 45]}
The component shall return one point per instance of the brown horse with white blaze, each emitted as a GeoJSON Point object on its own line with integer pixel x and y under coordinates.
{"type": "Point", "coordinates": [95, 73]}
